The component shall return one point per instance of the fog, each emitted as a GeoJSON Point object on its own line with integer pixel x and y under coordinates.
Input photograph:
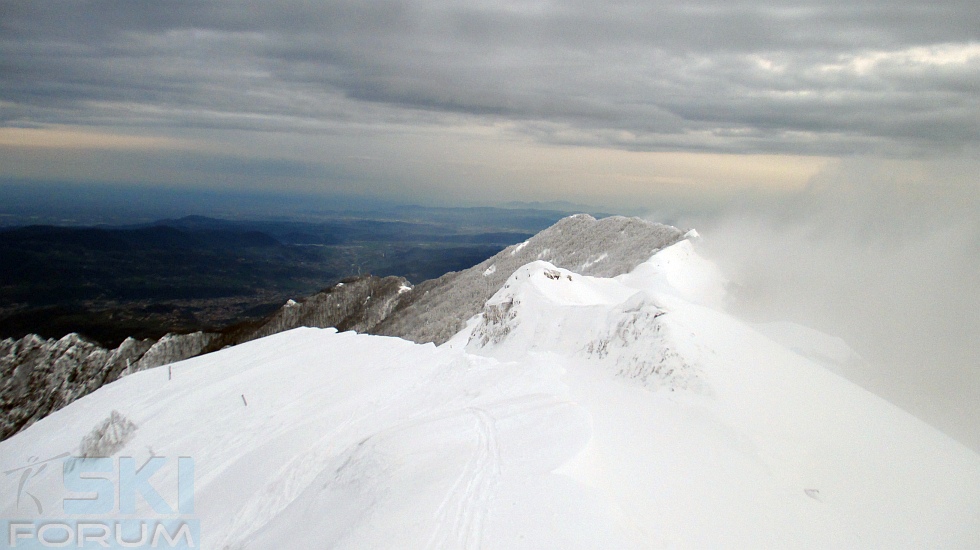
{"type": "Point", "coordinates": [885, 255]}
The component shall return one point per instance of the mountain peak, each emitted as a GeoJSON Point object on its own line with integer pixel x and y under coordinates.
{"type": "Point", "coordinates": [605, 247]}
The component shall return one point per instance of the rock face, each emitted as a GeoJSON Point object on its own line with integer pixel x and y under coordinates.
{"type": "Point", "coordinates": [39, 376]}
{"type": "Point", "coordinates": [171, 348]}
{"type": "Point", "coordinates": [357, 304]}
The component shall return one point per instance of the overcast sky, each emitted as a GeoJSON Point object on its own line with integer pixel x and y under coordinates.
{"type": "Point", "coordinates": [614, 102]}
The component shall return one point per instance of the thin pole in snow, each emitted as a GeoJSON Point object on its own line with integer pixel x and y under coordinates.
{"type": "Point", "coordinates": [243, 400]}
{"type": "Point", "coordinates": [170, 372]}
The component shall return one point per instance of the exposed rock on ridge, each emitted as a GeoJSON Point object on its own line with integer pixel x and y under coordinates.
{"type": "Point", "coordinates": [39, 376]}
{"type": "Point", "coordinates": [357, 304]}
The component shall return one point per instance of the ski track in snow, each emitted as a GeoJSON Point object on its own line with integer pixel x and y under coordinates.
{"type": "Point", "coordinates": [297, 474]}
{"type": "Point", "coordinates": [465, 508]}
{"type": "Point", "coordinates": [291, 479]}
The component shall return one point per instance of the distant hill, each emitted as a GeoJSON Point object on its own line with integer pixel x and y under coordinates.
{"type": "Point", "coordinates": [201, 273]}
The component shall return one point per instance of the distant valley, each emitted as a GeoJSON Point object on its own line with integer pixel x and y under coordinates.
{"type": "Point", "coordinates": [195, 273]}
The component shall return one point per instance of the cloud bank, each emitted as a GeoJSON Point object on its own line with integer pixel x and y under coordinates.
{"type": "Point", "coordinates": [795, 77]}
{"type": "Point", "coordinates": [884, 257]}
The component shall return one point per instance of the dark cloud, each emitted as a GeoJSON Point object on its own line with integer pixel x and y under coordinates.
{"type": "Point", "coordinates": [811, 77]}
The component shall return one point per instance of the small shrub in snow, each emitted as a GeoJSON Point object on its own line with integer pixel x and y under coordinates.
{"type": "Point", "coordinates": [108, 437]}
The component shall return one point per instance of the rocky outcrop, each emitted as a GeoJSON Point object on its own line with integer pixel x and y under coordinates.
{"type": "Point", "coordinates": [357, 304]}
{"type": "Point", "coordinates": [39, 376]}
{"type": "Point", "coordinates": [108, 437]}
{"type": "Point", "coordinates": [170, 348]}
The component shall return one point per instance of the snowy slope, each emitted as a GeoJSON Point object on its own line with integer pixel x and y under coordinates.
{"type": "Point", "coordinates": [572, 412]}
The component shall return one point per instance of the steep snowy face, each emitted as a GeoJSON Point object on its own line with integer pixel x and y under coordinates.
{"type": "Point", "coordinates": [618, 324]}
{"type": "Point", "coordinates": [727, 416]}
{"type": "Point", "coordinates": [679, 271]}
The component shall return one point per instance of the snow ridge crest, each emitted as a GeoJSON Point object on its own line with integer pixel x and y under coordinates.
{"type": "Point", "coordinates": [621, 329]}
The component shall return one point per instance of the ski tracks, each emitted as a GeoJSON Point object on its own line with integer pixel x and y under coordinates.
{"type": "Point", "coordinates": [460, 520]}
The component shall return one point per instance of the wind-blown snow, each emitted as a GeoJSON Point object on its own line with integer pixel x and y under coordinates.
{"type": "Point", "coordinates": [572, 412]}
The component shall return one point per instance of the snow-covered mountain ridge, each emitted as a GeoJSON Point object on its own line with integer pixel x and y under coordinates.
{"type": "Point", "coordinates": [616, 322]}
{"type": "Point", "coordinates": [434, 310]}
{"type": "Point", "coordinates": [572, 411]}
{"type": "Point", "coordinates": [40, 376]}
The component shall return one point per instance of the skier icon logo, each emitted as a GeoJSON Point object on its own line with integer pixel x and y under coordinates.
{"type": "Point", "coordinates": [33, 469]}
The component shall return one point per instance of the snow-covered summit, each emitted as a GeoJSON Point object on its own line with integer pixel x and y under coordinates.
{"type": "Point", "coordinates": [573, 411]}
{"type": "Point", "coordinates": [615, 324]}
{"type": "Point", "coordinates": [606, 247]}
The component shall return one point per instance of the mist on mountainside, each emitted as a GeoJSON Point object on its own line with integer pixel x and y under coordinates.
{"type": "Point", "coordinates": [888, 260]}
